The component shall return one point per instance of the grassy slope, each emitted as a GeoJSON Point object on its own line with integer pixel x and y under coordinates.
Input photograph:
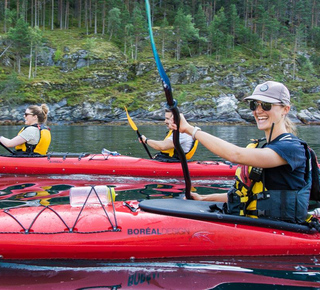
{"type": "Point", "coordinates": [70, 85]}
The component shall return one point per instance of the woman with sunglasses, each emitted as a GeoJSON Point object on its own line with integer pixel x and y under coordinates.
{"type": "Point", "coordinates": [271, 180]}
{"type": "Point", "coordinates": [35, 137]}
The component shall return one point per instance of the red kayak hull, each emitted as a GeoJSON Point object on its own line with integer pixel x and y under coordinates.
{"type": "Point", "coordinates": [110, 165]}
{"type": "Point", "coordinates": [131, 233]}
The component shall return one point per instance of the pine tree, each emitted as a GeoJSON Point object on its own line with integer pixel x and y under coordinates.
{"type": "Point", "coordinates": [184, 32]}
{"type": "Point", "coordinates": [114, 21]}
{"type": "Point", "coordinates": [20, 41]}
{"type": "Point", "coordinates": [36, 39]}
{"type": "Point", "coordinates": [139, 28]}
{"type": "Point", "coordinates": [200, 21]}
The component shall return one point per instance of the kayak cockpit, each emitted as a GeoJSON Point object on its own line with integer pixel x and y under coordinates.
{"type": "Point", "coordinates": [203, 210]}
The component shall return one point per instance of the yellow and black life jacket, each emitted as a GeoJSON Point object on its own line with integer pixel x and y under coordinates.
{"type": "Point", "coordinates": [249, 197]}
{"type": "Point", "coordinates": [172, 152]}
{"type": "Point", "coordinates": [42, 146]}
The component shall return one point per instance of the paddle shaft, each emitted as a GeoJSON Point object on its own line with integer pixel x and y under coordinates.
{"type": "Point", "coordinates": [172, 105]}
{"type": "Point", "coordinates": [5, 147]}
{"type": "Point", "coordinates": [135, 128]}
{"type": "Point", "coordinates": [144, 145]}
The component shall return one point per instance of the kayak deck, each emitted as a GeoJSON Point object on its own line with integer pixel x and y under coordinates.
{"type": "Point", "coordinates": [85, 163]}
{"type": "Point", "coordinates": [125, 230]}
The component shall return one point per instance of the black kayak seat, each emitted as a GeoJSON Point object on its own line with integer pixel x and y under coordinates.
{"type": "Point", "coordinates": [202, 210]}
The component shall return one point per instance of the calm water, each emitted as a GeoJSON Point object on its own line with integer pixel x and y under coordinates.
{"type": "Point", "coordinates": [217, 273]}
{"type": "Point", "coordinates": [124, 140]}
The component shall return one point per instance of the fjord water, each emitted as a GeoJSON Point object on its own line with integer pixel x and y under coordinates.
{"type": "Point", "coordinates": [121, 138]}
{"type": "Point", "coordinates": [201, 273]}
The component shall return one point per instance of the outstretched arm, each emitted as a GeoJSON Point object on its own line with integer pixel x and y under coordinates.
{"type": "Point", "coordinates": [258, 157]}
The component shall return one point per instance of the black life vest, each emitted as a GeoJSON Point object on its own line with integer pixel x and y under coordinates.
{"type": "Point", "coordinates": [249, 196]}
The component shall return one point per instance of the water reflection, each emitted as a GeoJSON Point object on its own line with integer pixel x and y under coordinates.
{"type": "Point", "coordinates": [220, 273]}
{"type": "Point", "coordinates": [18, 191]}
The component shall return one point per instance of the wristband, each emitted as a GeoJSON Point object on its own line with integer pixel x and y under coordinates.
{"type": "Point", "coordinates": [195, 130]}
{"type": "Point", "coordinates": [146, 141]}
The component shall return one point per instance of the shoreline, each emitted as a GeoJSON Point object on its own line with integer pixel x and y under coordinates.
{"type": "Point", "coordinates": [154, 123]}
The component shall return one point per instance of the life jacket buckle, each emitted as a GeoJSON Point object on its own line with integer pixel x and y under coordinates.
{"type": "Point", "coordinates": [262, 212]}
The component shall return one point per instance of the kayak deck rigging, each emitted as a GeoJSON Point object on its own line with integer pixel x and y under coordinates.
{"type": "Point", "coordinates": [111, 226]}
{"type": "Point", "coordinates": [176, 207]}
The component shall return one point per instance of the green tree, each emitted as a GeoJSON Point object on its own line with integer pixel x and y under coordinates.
{"type": "Point", "coordinates": [89, 45]}
{"type": "Point", "coordinates": [219, 37]}
{"type": "Point", "coordinates": [114, 21]}
{"type": "Point", "coordinates": [164, 34]}
{"type": "Point", "coordinates": [10, 18]}
{"type": "Point", "coordinates": [273, 29]}
{"type": "Point", "coordinates": [20, 41]}
{"type": "Point", "coordinates": [139, 28]}
{"type": "Point", "coordinates": [36, 39]}
{"type": "Point", "coordinates": [235, 24]}
{"type": "Point", "coordinates": [185, 32]}
{"type": "Point", "coordinates": [128, 39]}
{"type": "Point", "coordinates": [9, 88]}
{"type": "Point", "coordinates": [315, 37]}
{"type": "Point", "coordinates": [200, 21]}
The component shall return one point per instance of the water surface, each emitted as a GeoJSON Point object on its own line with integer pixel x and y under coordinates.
{"type": "Point", "coordinates": [202, 273]}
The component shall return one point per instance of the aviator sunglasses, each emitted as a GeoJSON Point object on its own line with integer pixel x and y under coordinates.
{"type": "Point", "coordinates": [265, 106]}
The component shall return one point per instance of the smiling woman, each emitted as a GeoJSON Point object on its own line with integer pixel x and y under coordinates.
{"type": "Point", "coordinates": [272, 181]}
{"type": "Point", "coordinates": [35, 137]}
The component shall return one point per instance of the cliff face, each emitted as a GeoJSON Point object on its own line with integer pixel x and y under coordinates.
{"type": "Point", "coordinates": [225, 110]}
{"type": "Point", "coordinates": [94, 86]}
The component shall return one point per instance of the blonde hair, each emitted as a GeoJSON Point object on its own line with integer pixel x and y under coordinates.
{"type": "Point", "coordinates": [290, 126]}
{"type": "Point", "coordinates": [40, 111]}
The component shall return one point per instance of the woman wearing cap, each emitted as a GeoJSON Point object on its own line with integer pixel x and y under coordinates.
{"type": "Point", "coordinates": [278, 191]}
{"type": "Point", "coordinates": [35, 137]}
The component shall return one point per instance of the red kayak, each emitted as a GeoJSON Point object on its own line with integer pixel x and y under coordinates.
{"type": "Point", "coordinates": [74, 163]}
{"type": "Point", "coordinates": [156, 228]}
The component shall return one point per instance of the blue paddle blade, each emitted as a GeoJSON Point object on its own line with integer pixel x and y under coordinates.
{"type": "Point", "coordinates": [164, 78]}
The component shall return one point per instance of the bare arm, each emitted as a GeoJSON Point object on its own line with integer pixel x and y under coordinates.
{"type": "Point", "coordinates": [159, 145]}
{"type": "Point", "coordinates": [12, 142]}
{"type": "Point", "coordinates": [258, 157]}
{"type": "Point", "coordinates": [223, 197]}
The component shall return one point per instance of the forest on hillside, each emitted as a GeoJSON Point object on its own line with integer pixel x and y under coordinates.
{"type": "Point", "coordinates": [193, 28]}
{"type": "Point", "coordinates": [256, 33]}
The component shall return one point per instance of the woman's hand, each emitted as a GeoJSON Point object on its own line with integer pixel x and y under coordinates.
{"type": "Point", "coordinates": [196, 196]}
{"type": "Point", "coordinates": [184, 126]}
{"type": "Point", "coordinates": [142, 139]}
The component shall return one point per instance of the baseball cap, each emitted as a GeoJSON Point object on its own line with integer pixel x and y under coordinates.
{"type": "Point", "coordinates": [271, 92]}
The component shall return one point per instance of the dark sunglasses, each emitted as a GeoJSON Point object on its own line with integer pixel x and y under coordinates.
{"type": "Point", "coordinates": [265, 106]}
{"type": "Point", "coordinates": [28, 114]}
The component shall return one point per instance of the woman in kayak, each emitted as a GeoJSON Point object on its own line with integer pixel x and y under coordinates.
{"type": "Point", "coordinates": [35, 137]}
{"type": "Point", "coordinates": [271, 181]}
